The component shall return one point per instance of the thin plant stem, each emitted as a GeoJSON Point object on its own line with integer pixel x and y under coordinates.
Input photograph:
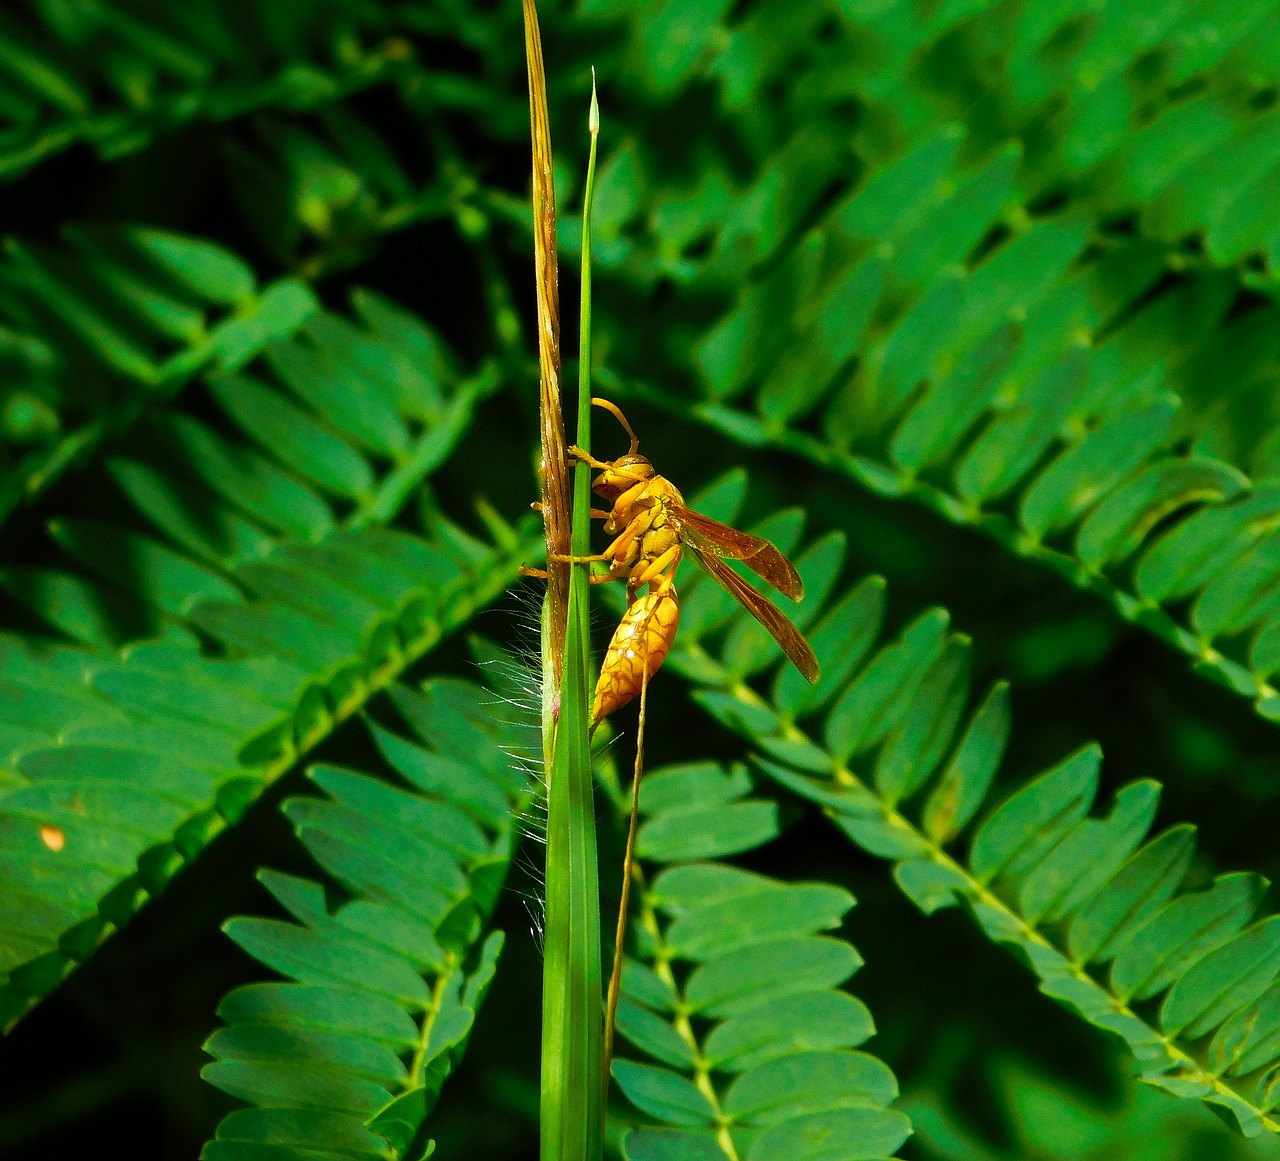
{"type": "Point", "coordinates": [555, 482]}
{"type": "Point", "coordinates": [628, 863]}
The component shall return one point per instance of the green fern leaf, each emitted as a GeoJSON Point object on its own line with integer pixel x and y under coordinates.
{"type": "Point", "coordinates": [110, 77]}
{"type": "Point", "coordinates": [778, 1072]}
{"type": "Point", "coordinates": [311, 628]}
{"type": "Point", "coordinates": [384, 987]}
{"type": "Point", "coordinates": [1008, 360]}
{"type": "Point", "coordinates": [1072, 892]}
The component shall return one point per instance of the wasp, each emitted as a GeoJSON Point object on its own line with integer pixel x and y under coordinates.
{"type": "Point", "coordinates": [652, 528]}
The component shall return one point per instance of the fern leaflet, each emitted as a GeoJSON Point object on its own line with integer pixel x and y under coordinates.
{"type": "Point", "coordinates": [735, 993]}
{"type": "Point", "coordinates": [350, 1056]}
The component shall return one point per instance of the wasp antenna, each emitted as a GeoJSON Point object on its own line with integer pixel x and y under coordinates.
{"type": "Point", "coordinates": [614, 410]}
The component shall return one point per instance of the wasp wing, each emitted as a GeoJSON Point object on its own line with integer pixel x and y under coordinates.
{"type": "Point", "coordinates": [709, 537]}
{"type": "Point", "coordinates": [788, 637]}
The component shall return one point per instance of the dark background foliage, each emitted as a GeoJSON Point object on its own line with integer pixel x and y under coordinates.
{"type": "Point", "coordinates": [411, 180]}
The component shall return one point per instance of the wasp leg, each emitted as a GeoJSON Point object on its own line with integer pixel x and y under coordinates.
{"type": "Point", "coordinates": [568, 558]}
{"type": "Point", "coordinates": [621, 550]}
{"type": "Point", "coordinates": [596, 578]}
{"type": "Point", "coordinates": [575, 455]}
{"type": "Point", "coordinates": [594, 513]}
{"type": "Point", "coordinates": [666, 586]}
{"type": "Point", "coordinates": [652, 573]}
{"type": "Point", "coordinates": [658, 565]}
{"type": "Point", "coordinates": [542, 574]}
{"type": "Point", "coordinates": [632, 500]}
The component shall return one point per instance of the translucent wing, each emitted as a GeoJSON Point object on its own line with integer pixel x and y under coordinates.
{"type": "Point", "coordinates": [759, 606]}
{"type": "Point", "coordinates": [711, 538]}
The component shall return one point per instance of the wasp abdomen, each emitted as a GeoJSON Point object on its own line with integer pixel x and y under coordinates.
{"type": "Point", "coordinates": [640, 644]}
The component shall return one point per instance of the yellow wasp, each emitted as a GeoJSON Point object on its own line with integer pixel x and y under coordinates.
{"type": "Point", "coordinates": [652, 528]}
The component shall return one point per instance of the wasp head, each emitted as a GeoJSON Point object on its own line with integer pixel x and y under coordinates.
{"type": "Point", "coordinates": [621, 475]}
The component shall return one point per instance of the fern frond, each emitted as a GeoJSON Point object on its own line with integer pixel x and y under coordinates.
{"type": "Point", "coordinates": [113, 75]}
{"type": "Point", "coordinates": [736, 993]}
{"type": "Point", "coordinates": [350, 1056]}
{"type": "Point", "coordinates": [270, 545]}
{"type": "Point", "coordinates": [320, 194]}
{"type": "Point", "coordinates": [1111, 107]}
{"type": "Point", "coordinates": [957, 303]}
{"type": "Point", "coordinates": [124, 318]}
{"type": "Point", "coordinates": [139, 312]}
{"type": "Point", "coordinates": [1038, 1118]}
{"type": "Point", "coordinates": [1073, 893]}
{"type": "Point", "coordinates": [125, 766]}
{"type": "Point", "coordinates": [1013, 389]}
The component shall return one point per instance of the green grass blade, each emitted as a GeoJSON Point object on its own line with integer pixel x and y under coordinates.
{"type": "Point", "coordinates": [572, 1028]}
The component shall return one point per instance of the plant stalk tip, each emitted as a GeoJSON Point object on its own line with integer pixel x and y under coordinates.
{"type": "Point", "coordinates": [593, 118]}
